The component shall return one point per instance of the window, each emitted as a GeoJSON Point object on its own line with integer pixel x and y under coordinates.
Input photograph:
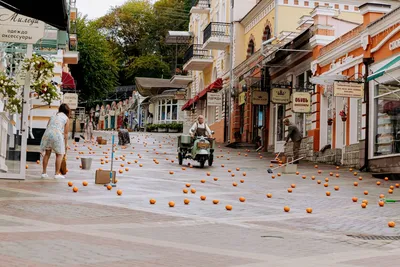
{"type": "Point", "coordinates": [387, 120]}
{"type": "Point", "coordinates": [336, 6]}
{"type": "Point", "coordinates": [306, 3]}
{"type": "Point", "coordinates": [285, 2]}
{"type": "Point", "coordinates": [267, 33]}
{"type": "Point", "coordinates": [327, 4]}
{"type": "Point", "coordinates": [250, 48]}
{"type": "Point", "coordinates": [280, 127]}
{"type": "Point", "coordinates": [300, 81]}
{"type": "Point", "coordinates": [167, 110]}
{"type": "Point", "coordinates": [316, 4]}
{"type": "Point", "coordinates": [346, 7]}
{"type": "Point", "coordinates": [356, 8]}
{"type": "Point", "coordinates": [296, 2]}
{"type": "Point", "coordinates": [299, 121]}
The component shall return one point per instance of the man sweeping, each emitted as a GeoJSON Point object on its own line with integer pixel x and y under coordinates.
{"type": "Point", "coordinates": [295, 135]}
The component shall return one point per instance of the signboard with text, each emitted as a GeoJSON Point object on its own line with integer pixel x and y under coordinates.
{"type": "Point", "coordinates": [16, 28]}
{"type": "Point", "coordinates": [348, 89]}
{"type": "Point", "coordinates": [260, 98]}
{"type": "Point", "coordinates": [214, 99]}
{"type": "Point", "coordinates": [280, 95]}
{"type": "Point", "coordinates": [71, 99]}
{"type": "Point", "coordinates": [242, 98]}
{"type": "Point", "coordinates": [301, 102]}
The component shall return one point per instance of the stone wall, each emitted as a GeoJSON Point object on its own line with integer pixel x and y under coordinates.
{"type": "Point", "coordinates": [351, 157]}
{"type": "Point", "coordinates": [306, 150]}
{"type": "Point", "coordinates": [385, 165]}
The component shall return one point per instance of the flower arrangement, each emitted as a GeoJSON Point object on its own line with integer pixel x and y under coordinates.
{"type": "Point", "coordinates": [41, 74]}
{"type": "Point", "coordinates": [12, 93]}
{"type": "Point", "coordinates": [343, 114]}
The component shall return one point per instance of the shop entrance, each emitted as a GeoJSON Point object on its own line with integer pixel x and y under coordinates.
{"type": "Point", "coordinates": [279, 130]}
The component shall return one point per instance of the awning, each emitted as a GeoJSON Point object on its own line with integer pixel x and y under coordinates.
{"type": "Point", "coordinates": [154, 86]}
{"type": "Point", "coordinates": [67, 81]}
{"type": "Point", "coordinates": [52, 12]}
{"type": "Point", "coordinates": [216, 85]}
{"type": "Point", "coordinates": [391, 66]}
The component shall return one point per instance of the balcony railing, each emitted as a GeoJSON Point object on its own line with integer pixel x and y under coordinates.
{"type": "Point", "coordinates": [216, 29]}
{"type": "Point", "coordinates": [195, 51]}
{"type": "Point", "coordinates": [201, 3]}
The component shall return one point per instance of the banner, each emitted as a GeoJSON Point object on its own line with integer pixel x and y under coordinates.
{"type": "Point", "coordinates": [301, 102]}
{"type": "Point", "coordinates": [242, 98]}
{"type": "Point", "coordinates": [348, 89]}
{"type": "Point", "coordinates": [260, 98]}
{"type": "Point", "coordinates": [16, 28]}
{"type": "Point", "coordinates": [280, 95]}
{"type": "Point", "coordinates": [214, 99]}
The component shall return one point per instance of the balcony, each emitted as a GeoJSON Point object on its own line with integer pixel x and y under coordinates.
{"type": "Point", "coordinates": [181, 77]}
{"type": "Point", "coordinates": [197, 58]}
{"type": "Point", "coordinates": [200, 7]}
{"type": "Point", "coordinates": [217, 36]}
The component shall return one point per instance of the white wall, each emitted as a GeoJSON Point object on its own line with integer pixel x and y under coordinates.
{"type": "Point", "coordinates": [242, 7]}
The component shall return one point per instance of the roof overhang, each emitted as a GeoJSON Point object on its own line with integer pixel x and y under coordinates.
{"type": "Point", "coordinates": [178, 37]}
{"type": "Point", "coordinates": [154, 86]}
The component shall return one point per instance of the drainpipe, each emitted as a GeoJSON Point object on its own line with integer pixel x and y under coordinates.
{"type": "Point", "coordinates": [366, 62]}
{"type": "Point", "coordinates": [232, 83]}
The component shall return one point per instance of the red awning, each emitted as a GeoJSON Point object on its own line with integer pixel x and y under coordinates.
{"type": "Point", "coordinates": [216, 85]}
{"type": "Point", "coordinates": [67, 81]}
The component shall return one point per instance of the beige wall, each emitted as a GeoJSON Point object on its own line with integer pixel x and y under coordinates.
{"type": "Point", "coordinates": [288, 17]}
{"type": "Point", "coordinates": [258, 30]}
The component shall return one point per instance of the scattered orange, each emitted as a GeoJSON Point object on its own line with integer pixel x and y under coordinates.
{"type": "Point", "coordinates": [75, 189]}
{"type": "Point", "coordinates": [365, 192]}
{"type": "Point", "coordinates": [203, 197]}
{"type": "Point", "coordinates": [183, 168]}
{"type": "Point", "coordinates": [309, 210]}
{"type": "Point", "coordinates": [386, 179]}
{"type": "Point", "coordinates": [397, 185]}
{"type": "Point", "coordinates": [355, 184]}
{"type": "Point", "coordinates": [171, 204]}
{"type": "Point", "coordinates": [208, 174]}
{"type": "Point", "coordinates": [365, 201]}
{"type": "Point", "coordinates": [336, 188]}
{"type": "Point", "coordinates": [203, 181]}
{"type": "Point", "coordinates": [273, 176]}
{"type": "Point", "coordinates": [331, 173]}
{"type": "Point", "coordinates": [391, 187]}
{"type": "Point", "coordinates": [337, 175]}
{"type": "Point", "coordinates": [269, 195]}
{"type": "Point", "coordinates": [242, 199]}
{"type": "Point", "coordinates": [84, 183]}
{"type": "Point", "coordinates": [215, 201]}
{"type": "Point", "coordinates": [242, 181]}
{"type": "Point", "coordinates": [363, 205]}
{"type": "Point", "coordinates": [234, 184]}
{"type": "Point", "coordinates": [152, 201]}
{"type": "Point", "coordinates": [187, 185]}
{"type": "Point", "coordinates": [290, 190]}
{"type": "Point", "coordinates": [381, 196]}
{"type": "Point", "coordinates": [140, 165]}
{"type": "Point", "coordinates": [391, 224]}
{"type": "Point", "coordinates": [318, 181]}
{"type": "Point", "coordinates": [233, 175]}
{"type": "Point", "coordinates": [378, 183]}
{"type": "Point", "coordinates": [171, 172]}
{"type": "Point", "coordinates": [313, 177]}
{"type": "Point", "coordinates": [390, 191]}
{"type": "Point", "coordinates": [316, 166]}
{"type": "Point", "coordinates": [244, 174]}
{"type": "Point", "coordinates": [215, 179]}
{"type": "Point", "coordinates": [279, 174]}
{"type": "Point", "coordinates": [293, 185]}
{"type": "Point", "coordinates": [70, 183]}
{"type": "Point", "coordinates": [328, 193]}
{"type": "Point", "coordinates": [286, 209]}
{"type": "Point", "coordinates": [355, 173]}
{"type": "Point", "coordinates": [193, 191]}
{"type": "Point", "coordinates": [185, 190]}
{"type": "Point", "coordinates": [297, 173]}
{"type": "Point", "coordinates": [237, 169]}
{"type": "Point", "coordinates": [228, 207]}
{"type": "Point", "coordinates": [326, 179]}
{"type": "Point", "coordinates": [119, 192]}
{"type": "Point", "coordinates": [355, 199]}
{"type": "Point", "coordinates": [381, 203]}
{"type": "Point", "coordinates": [109, 187]}
{"type": "Point", "coordinates": [360, 178]}
{"type": "Point", "coordinates": [326, 184]}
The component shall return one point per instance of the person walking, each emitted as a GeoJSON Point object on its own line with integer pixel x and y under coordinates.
{"type": "Point", "coordinates": [55, 139]}
{"type": "Point", "coordinates": [90, 127]}
{"type": "Point", "coordinates": [295, 135]}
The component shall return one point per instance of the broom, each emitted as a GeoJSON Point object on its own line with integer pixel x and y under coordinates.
{"type": "Point", "coordinates": [272, 170]}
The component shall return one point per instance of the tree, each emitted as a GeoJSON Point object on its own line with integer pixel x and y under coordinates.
{"type": "Point", "coordinates": [97, 70]}
{"type": "Point", "coordinates": [147, 66]}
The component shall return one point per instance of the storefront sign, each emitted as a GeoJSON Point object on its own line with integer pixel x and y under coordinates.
{"type": "Point", "coordinates": [71, 99]}
{"type": "Point", "coordinates": [214, 99]}
{"type": "Point", "coordinates": [280, 95]}
{"type": "Point", "coordinates": [16, 28]}
{"type": "Point", "coordinates": [242, 98]}
{"type": "Point", "coordinates": [394, 45]}
{"type": "Point", "coordinates": [301, 102]}
{"type": "Point", "coordinates": [348, 89]}
{"type": "Point", "coordinates": [260, 98]}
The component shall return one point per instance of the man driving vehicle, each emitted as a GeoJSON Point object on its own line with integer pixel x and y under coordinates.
{"type": "Point", "coordinates": [200, 128]}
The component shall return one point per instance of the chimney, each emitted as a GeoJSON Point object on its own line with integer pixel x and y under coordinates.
{"type": "Point", "coordinates": [373, 11]}
{"type": "Point", "coordinates": [324, 32]}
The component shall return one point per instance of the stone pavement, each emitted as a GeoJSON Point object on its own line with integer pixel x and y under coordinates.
{"type": "Point", "coordinates": [43, 223]}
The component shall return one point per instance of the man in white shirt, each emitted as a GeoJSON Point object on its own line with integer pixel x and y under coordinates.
{"type": "Point", "coordinates": [200, 128]}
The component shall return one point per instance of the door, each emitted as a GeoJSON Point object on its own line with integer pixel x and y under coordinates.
{"type": "Point", "coordinates": [279, 127]}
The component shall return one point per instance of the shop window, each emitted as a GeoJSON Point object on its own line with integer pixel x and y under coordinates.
{"type": "Point", "coordinates": [167, 111]}
{"type": "Point", "coordinates": [356, 9]}
{"type": "Point", "coordinates": [306, 3]}
{"type": "Point", "coordinates": [267, 33]}
{"type": "Point", "coordinates": [285, 2]}
{"type": "Point", "coordinates": [250, 48]}
{"type": "Point", "coordinates": [336, 6]}
{"type": "Point", "coordinates": [346, 7]}
{"type": "Point", "coordinates": [387, 120]}
{"type": "Point", "coordinates": [280, 127]}
{"type": "Point", "coordinates": [296, 2]}
{"type": "Point", "coordinates": [327, 4]}
{"type": "Point", "coordinates": [211, 114]}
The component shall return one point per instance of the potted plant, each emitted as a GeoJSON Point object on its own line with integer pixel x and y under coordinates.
{"type": "Point", "coordinates": [162, 128]}
{"type": "Point", "coordinates": [330, 121]}
{"type": "Point", "coordinates": [175, 127]}
{"type": "Point", "coordinates": [343, 114]}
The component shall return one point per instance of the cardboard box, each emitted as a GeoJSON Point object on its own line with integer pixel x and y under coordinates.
{"type": "Point", "coordinates": [103, 177]}
{"type": "Point", "coordinates": [103, 142]}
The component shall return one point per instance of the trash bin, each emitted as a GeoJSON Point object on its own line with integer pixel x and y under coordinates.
{"type": "Point", "coordinates": [86, 163]}
{"type": "Point", "coordinates": [77, 139]}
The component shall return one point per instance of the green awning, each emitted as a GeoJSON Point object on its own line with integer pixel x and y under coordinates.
{"type": "Point", "coordinates": [384, 69]}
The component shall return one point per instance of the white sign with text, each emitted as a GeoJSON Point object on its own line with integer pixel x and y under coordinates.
{"type": "Point", "coordinates": [214, 99]}
{"type": "Point", "coordinates": [71, 99]}
{"type": "Point", "coordinates": [16, 28]}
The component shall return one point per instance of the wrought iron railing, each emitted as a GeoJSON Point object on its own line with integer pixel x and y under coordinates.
{"type": "Point", "coordinates": [216, 29]}
{"type": "Point", "coordinates": [201, 3]}
{"type": "Point", "coordinates": [196, 51]}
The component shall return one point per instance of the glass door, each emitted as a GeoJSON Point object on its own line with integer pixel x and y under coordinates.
{"type": "Point", "coordinates": [279, 127]}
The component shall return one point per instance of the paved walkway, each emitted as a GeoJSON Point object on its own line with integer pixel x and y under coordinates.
{"type": "Point", "coordinates": [43, 223]}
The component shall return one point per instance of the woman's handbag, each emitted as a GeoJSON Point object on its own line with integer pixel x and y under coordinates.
{"type": "Point", "coordinates": [63, 168]}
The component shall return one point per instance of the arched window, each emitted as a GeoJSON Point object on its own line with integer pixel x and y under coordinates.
{"type": "Point", "coordinates": [250, 48]}
{"type": "Point", "coordinates": [267, 33]}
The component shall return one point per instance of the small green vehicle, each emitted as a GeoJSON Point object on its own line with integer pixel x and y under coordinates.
{"type": "Point", "coordinates": [199, 148]}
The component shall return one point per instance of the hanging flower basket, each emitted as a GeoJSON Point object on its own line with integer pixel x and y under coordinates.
{"type": "Point", "coordinates": [11, 92]}
{"type": "Point", "coordinates": [41, 74]}
{"type": "Point", "coordinates": [330, 121]}
{"type": "Point", "coordinates": [344, 118]}
{"type": "Point", "coordinates": [343, 114]}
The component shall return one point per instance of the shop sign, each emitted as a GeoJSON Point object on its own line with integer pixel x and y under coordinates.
{"type": "Point", "coordinates": [242, 98]}
{"type": "Point", "coordinates": [214, 99]}
{"type": "Point", "coordinates": [280, 95]}
{"type": "Point", "coordinates": [348, 89]}
{"type": "Point", "coordinates": [71, 99]}
{"type": "Point", "coordinates": [260, 98]}
{"type": "Point", "coordinates": [394, 45]}
{"type": "Point", "coordinates": [301, 102]}
{"type": "Point", "coordinates": [16, 28]}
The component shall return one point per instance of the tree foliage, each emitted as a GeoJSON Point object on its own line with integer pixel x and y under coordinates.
{"type": "Point", "coordinates": [97, 70]}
